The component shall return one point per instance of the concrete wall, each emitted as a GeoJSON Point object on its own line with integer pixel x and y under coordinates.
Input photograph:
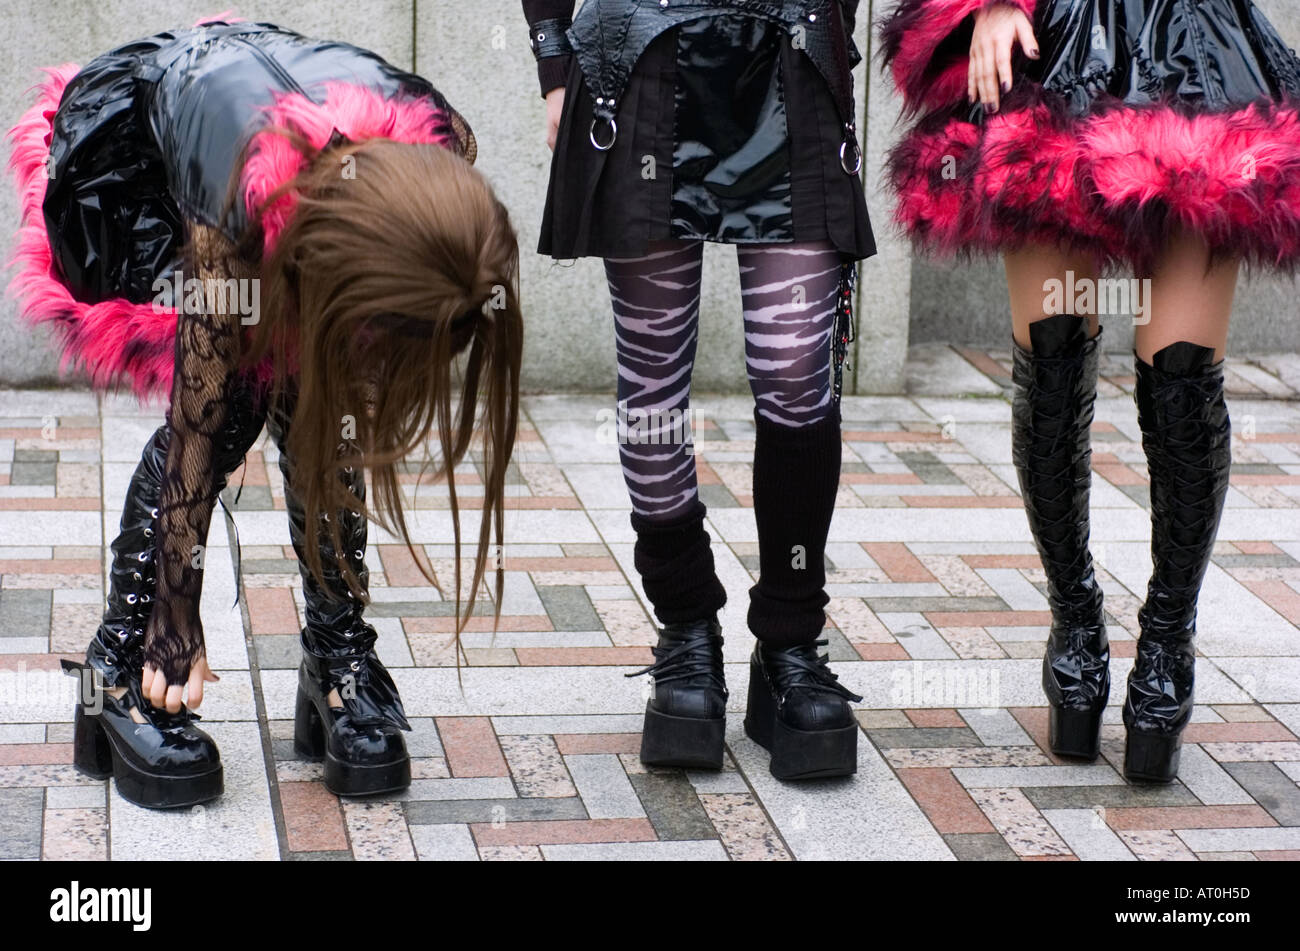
{"type": "Point", "coordinates": [476, 52]}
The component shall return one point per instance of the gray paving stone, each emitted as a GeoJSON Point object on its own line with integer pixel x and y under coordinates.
{"type": "Point", "coordinates": [25, 612]}
{"type": "Point", "coordinates": [920, 737]}
{"type": "Point", "coordinates": [717, 781]}
{"type": "Point", "coordinates": [560, 725]}
{"type": "Point", "coordinates": [707, 851]}
{"type": "Point", "coordinates": [980, 847]}
{"type": "Point", "coordinates": [342, 855]}
{"type": "Point", "coordinates": [1271, 788]}
{"type": "Point", "coordinates": [717, 497]}
{"type": "Point", "coordinates": [446, 790]}
{"type": "Point", "coordinates": [1207, 780]}
{"type": "Point", "coordinates": [867, 816]}
{"type": "Point", "coordinates": [75, 797]}
{"type": "Point", "coordinates": [837, 646]}
{"type": "Point", "coordinates": [270, 566]}
{"type": "Point", "coordinates": [979, 777]}
{"type": "Point", "coordinates": [252, 498]}
{"type": "Point", "coordinates": [996, 727]}
{"type": "Point", "coordinates": [278, 651]}
{"type": "Point", "coordinates": [423, 739]}
{"type": "Point", "coordinates": [569, 608]}
{"type": "Point", "coordinates": [32, 473]}
{"type": "Point", "coordinates": [21, 817]}
{"type": "Point", "coordinates": [604, 786]}
{"type": "Point", "coordinates": [1088, 797]}
{"type": "Point", "coordinates": [22, 732]}
{"type": "Point", "coordinates": [921, 605]}
{"type": "Point", "coordinates": [420, 609]}
{"type": "Point", "coordinates": [672, 806]}
{"type": "Point", "coordinates": [1245, 840]}
{"type": "Point", "coordinates": [1088, 836]}
{"type": "Point", "coordinates": [444, 843]}
{"type": "Point", "coordinates": [426, 812]}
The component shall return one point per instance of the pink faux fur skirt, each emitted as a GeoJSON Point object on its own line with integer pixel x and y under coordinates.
{"type": "Point", "coordinates": [1108, 143]}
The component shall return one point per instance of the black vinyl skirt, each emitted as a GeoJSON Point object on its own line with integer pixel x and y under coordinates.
{"type": "Point", "coordinates": [726, 133]}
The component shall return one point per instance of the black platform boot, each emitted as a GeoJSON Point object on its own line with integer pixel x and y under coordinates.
{"type": "Point", "coordinates": [1187, 437]}
{"type": "Point", "coordinates": [361, 743]}
{"type": "Point", "coordinates": [167, 761]}
{"type": "Point", "coordinates": [797, 710]}
{"type": "Point", "coordinates": [1055, 389]}
{"type": "Point", "coordinates": [685, 717]}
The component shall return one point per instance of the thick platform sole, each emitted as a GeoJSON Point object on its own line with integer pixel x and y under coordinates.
{"type": "Point", "coordinates": [343, 778]}
{"type": "Point", "coordinates": [797, 754]}
{"type": "Point", "coordinates": [687, 742]}
{"type": "Point", "coordinates": [1152, 758]}
{"type": "Point", "coordinates": [95, 754]}
{"type": "Point", "coordinates": [1074, 733]}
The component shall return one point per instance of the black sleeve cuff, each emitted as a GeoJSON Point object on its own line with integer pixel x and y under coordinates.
{"type": "Point", "coordinates": [553, 71]}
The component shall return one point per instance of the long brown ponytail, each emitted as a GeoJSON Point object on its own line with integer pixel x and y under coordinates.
{"type": "Point", "coordinates": [394, 289]}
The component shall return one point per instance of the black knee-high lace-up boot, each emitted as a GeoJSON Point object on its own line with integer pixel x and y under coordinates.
{"type": "Point", "coordinates": [797, 709]}
{"type": "Point", "coordinates": [166, 761]}
{"type": "Point", "coordinates": [1188, 441]}
{"type": "Point", "coordinates": [361, 742]}
{"type": "Point", "coordinates": [1055, 388]}
{"type": "Point", "coordinates": [685, 716]}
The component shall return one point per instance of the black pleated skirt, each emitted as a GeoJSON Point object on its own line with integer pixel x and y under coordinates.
{"type": "Point", "coordinates": [694, 112]}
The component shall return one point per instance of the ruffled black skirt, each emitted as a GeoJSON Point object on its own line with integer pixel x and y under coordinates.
{"type": "Point", "coordinates": [725, 133]}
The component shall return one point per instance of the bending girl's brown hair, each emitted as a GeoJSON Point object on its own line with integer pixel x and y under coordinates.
{"type": "Point", "coordinates": [393, 293]}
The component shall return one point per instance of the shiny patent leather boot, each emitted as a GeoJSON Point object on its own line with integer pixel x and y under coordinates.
{"type": "Point", "coordinates": [685, 717]}
{"type": "Point", "coordinates": [360, 742]}
{"type": "Point", "coordinates": [799, 712]}
{"type": "Point", "coordinates": [1187, 437]}
{"type": "Point", "coordinates": [1055, 388]}
{"type": "Point", "coordinates": [167, 761]}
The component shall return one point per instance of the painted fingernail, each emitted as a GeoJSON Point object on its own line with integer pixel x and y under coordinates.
{"type": "Point", "coordinates": [1006, 85]}
{"type": "Point", "coordinates": [1034, 52]}
{"type": "Point", "coordinates": [993, 107]}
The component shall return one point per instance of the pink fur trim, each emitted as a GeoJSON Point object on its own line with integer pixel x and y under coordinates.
{"type": "Point", "coordinates": [1116, 181]}
{"type": "Point", "coordinates": [112, 339]}
{"type": "Point", "coordinates": [914, 32]}
{"type": "Point", "coordinates": [223, 17]}
{"type": "Point", "coordinates": [355, 111]}
{"type": "Point", "coordinates": [117, 340]}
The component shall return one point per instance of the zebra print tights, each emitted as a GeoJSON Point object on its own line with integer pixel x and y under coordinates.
{"type": "Point", "coordinates": [788, 295]}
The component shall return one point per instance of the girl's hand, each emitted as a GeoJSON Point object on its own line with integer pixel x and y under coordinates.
{"type": "Point", "coordinates": [997, 29]}
{"type": "Point", "coordinates": [155, 688]}
{"type": "Point", "coordinates": [554, 108]}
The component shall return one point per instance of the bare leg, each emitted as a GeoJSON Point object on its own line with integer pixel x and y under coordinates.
{"type": "Point", "coordinates": [1187, 301]}
{"type": "Point", "coordinates": [1028, 270]}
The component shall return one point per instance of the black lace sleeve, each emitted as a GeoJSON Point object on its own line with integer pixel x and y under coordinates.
{"type": "Point", "coordinates": [207, 351]}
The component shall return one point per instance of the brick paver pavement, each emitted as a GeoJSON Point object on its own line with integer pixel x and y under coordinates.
{"type": "Point", "coordinates": [937, 616]}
